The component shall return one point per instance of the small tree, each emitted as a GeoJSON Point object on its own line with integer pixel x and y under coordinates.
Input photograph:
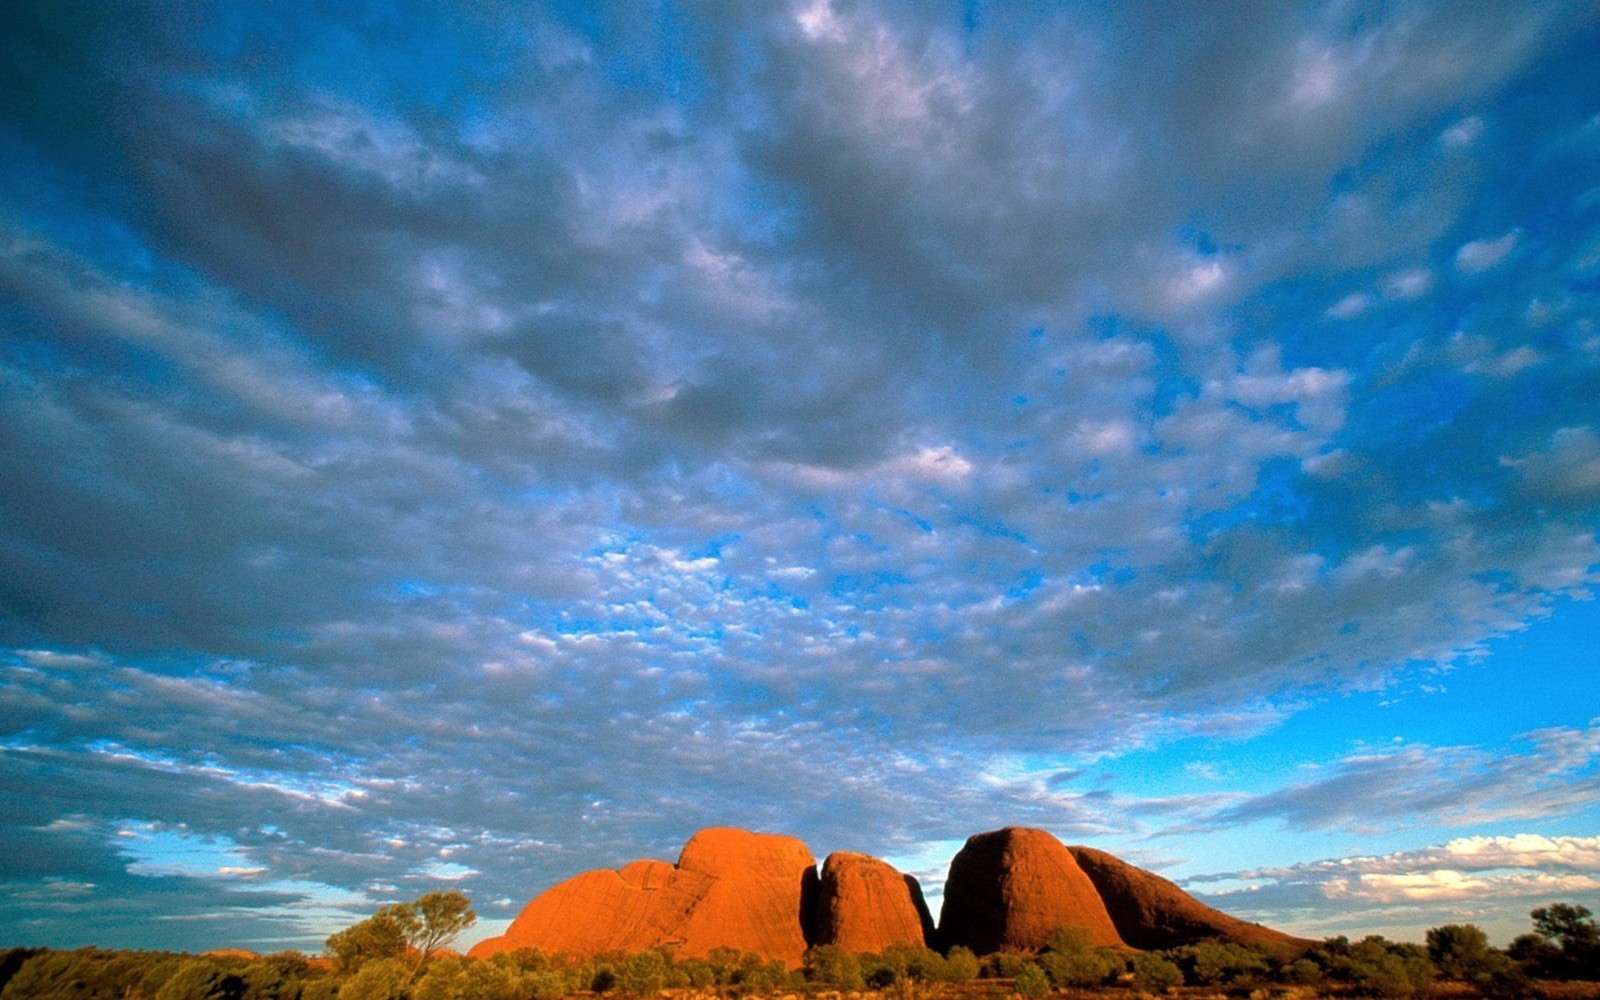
{"type": "Point", "coordinates": [420, 927]}
{"type": "Point", "coordinates": [1573, 931]}
{"type": "Point", "coordinates": [1460, 951]}
{"type": "Point", "coordinates": [435, 920]}
{"type": "Point", "coordinates": [377, 937]}
{"type": "Point", "coordinates": [1570, 926]}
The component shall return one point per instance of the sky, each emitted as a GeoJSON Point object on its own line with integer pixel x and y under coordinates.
{"type": "Point", "coordinates": [459, 445]}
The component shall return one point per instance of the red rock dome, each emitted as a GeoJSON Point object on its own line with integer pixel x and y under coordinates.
{"type": "Point", "coordinates": [865, 905]}
{"type": "Point", "coordinates": [1013, 888]}
{"type": "Point", "coordinates": [730, 889]}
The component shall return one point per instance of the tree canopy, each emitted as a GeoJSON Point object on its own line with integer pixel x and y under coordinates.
{"type": "Point", "coordinates": [417, 929]}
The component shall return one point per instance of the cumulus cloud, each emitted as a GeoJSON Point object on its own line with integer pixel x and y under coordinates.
{"type": "Point", "coordinates": [1481, 255]}
{"type": "Point", "coordinates": [1473, 878]}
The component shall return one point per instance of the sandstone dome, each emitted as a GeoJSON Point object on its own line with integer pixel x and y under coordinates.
{"type": "Point", "coordinates": [865, 905]}
{"type": "Point", "coordinates": [1013, 888]}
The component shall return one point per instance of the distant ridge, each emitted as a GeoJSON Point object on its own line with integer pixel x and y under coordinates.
{"type": "Point", "coordinates": [761, 893]}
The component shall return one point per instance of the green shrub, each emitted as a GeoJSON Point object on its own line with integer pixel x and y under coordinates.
{"type": "Point", "coordinates": [833, 966]}
{"type": "Point", "coordinates": [1387, 968]}
{"type": "Point", "coordinates": [1032, 981]}
{"type": "Point", "coordinates": [961, 965]}
{"type": "Point", "coordinates": [1216, 963]}
{"type": "Point", "coordinates": [697, 973]}
{"type": "Point", "coordinates": [545, 984]}
{"type": "Point", "coordinates": [202, 979]}
{"type": "Point", "coordinates": [1070, 939]}
{"type": "Point", "coordinates": [458, 979]}
{"type": "Point", "coordinates": [763, 976]}
{"type": "Point", "coordinates": [1003, 964]}
{"type": "Point", "coordinates": [1081, 968]}
{"type": "Point", "coordinates": [326, 988]}
{"type": "Point", "coordinates": [643, 972]}
{"type": "Point", "coordinates": [1152, 972]}
{"type": "Point", "coordinates": [379, 979]}
{"type": "Point", "coordinates": [1303, 972]}
{"type": "Point", "coordinates": [1071, 959]}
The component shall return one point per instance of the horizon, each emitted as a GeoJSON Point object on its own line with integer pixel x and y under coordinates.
{"type": "Point", "coordinates": [466, 444]}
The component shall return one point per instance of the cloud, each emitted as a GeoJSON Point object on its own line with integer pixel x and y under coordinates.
{"type": "Point", "coordinates": [1557, 776]}
{"type": "Point", "coordinates": [1567, 469]}
{"type": "Point", "coordinates": [1481, 255]}
{"type": "Point", "coordinates": [1463, 132]}
{"type": "Point", "coordinates": [1468, 879]}
{"type": "Point", "coordinates": [1350, 306]}
{"type": "Point", "coordinates": [1407, 285]}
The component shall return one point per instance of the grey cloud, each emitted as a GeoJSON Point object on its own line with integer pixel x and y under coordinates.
{"type": "Point", "coordinates": [1466, 879]}
{"type": "Point", "coordinates": [1556, 777]}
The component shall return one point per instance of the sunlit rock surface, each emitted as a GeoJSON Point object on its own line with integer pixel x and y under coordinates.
{"type": "Point", "coordinates": [760, 893]}
{"type": "Point", "coordinates": [866, 905]}
{"type": "Point", "coordinates": [1013, 888]}
{"type": "Point", "coordinates": [730, 889]}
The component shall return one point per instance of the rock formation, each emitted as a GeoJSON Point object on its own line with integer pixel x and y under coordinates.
{"type": "Point", "coordinates": [730, 889]}
{"type": "Point", "coordinates": [762, 897]}
{"type": "Point", "coordinates": [1153, 913]}
{"type": "Point", "coordinates": [760, 893]}
{"type": "Point", "coordinates": [1012, 888]}
{"type": "Point", "coordinates": [865, 905]}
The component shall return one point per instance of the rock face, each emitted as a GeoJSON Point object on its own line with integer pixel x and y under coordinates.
{"type": "Point", "coordinates": [1153, 913]}
{"type": "Point", "coordinates": [730, 889]}
{"type": "Point", "coordinates": [762, 896]}
{"type": "Point", "coordinates": [865, 905]}
{"type": "Point", "coordinates": [1012, 888]}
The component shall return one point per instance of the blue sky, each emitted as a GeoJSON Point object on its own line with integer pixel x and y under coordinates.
{"type": "Point", "coordinates": [465, 444]}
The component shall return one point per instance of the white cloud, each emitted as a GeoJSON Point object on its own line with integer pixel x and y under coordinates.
{"type": "Point", "coordinates": [1481, 255]}
{"type": "Point", "coordinates": [1463, 133]}
{"type": "Point", "coordinates": [1408, 285]}
{"type": "Point", "coordinates": [1568, 467]}
{"type": "Point", "coordinates": [1350, 306]}
{"type": "Point", "coordinates": [1507, 363]}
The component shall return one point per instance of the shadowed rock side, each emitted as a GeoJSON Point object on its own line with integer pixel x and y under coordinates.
{"type": "Point", "coordinates": [1152, 913]}
{"type": "Point", "coordinates": [865, 905]}
{"type": "Point", "coordinates": [1013, 888]}
{"type": "Point", "coordinates": [730, 889]}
